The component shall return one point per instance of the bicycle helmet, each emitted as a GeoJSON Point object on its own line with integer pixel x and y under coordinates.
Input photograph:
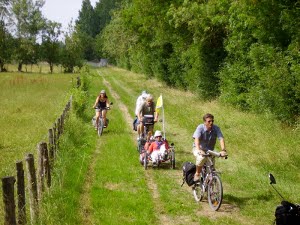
{"type": "Point", "coordinates": [157, 133]}
{"type": "Point", "coordinates": [102, 92]}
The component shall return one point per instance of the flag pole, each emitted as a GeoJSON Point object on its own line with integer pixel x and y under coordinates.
{"type": "Point", "coordinates": [163, 111]}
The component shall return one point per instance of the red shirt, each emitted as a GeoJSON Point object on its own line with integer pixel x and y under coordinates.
{"type": "Point", "coordinates": [155, 146]}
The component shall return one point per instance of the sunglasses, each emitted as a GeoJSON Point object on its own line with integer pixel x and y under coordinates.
{"type": "Point", "coordinates": [210, 121]}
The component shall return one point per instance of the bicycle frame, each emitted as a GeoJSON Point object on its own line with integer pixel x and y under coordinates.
{"type": "Point", "coordinates": [101, 123]}
{"type": "Point", "coordinates": [208, 169]}
{"type": "Point", "coordinates": [210, 182]}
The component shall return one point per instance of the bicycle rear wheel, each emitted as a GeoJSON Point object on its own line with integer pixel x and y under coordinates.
{"type": "Point", "coordinates": [215, 192]}
{"type": "Point", "coordinates": [172, 159]}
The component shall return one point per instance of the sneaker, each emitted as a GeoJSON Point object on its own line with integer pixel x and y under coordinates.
{"type": "Point", "coordinates": [196, 177]}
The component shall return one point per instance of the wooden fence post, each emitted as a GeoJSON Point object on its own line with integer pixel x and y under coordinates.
{"type": "Point", "coordinates": [51, 147]}
{"type": "Point", "coordinates": [21, 193]}
{"type": "Point", "coordinates": [47, 167]}
{"type": "Point", "coordinates": [9, 201]}
{"type": "Point", "coordinates": [71, 101]}
{"type": "Point", "coordinates": [40, 169]}
{"type": "Point", "coordinates": [32, 187]}
{"type": "Point", "coordinates": [54, 139]}
{"type": "Point", "coordinates": [62, 121]}
{"type": "Point", "coordinates": [58, 129]}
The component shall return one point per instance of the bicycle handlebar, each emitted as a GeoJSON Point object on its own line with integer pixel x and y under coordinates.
{"type": "Point", "coordinates": [214, 153]}
{"type": "Point", "coordinates": [108, 108]}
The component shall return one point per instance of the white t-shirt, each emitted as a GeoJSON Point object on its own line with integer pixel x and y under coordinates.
{"type": "Point", "coordinates": [139, 102]}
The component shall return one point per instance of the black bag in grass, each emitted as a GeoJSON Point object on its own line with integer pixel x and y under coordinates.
{"type": "Point", "coordinates": [188, 171]}
{"type": "Point", "coordinates": [287, 214]}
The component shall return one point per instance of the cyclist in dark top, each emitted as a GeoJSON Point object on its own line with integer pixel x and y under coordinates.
{"type": "Point", "coordinates": [101, 105]}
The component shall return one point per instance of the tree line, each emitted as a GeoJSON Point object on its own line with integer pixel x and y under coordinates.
{"type": "Point", "coordinates": [245, 53]}
{"type": "Point", "coordinates": [27, 37]}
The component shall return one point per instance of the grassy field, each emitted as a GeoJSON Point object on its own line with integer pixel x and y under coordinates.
{"type": "Point", "coordinates": [29, 106]}
{"type": "Point", "coordinates": [100, 180]}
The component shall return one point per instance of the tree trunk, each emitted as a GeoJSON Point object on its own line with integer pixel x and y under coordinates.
{"type": "Point", "coordinates": [51, 67]}
{"type": "Point", "coordinates": [20, 67]}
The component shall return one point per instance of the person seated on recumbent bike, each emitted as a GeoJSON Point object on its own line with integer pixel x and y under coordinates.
{"type": "Point", "coordinates": [158, 148]}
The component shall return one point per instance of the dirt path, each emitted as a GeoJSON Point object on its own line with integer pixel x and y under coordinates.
{"type": "Point", "coordinates": [149, 178]}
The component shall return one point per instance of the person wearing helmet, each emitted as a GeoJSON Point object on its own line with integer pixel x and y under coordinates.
{"type": "Point", "coordinates": [147, 116]}
{"type": "Point", "coordinates": [101, 105]}
{"type": "Point", "coordinates": [155, 147]}
{"type": "Point", "coordinates": [205, 137]}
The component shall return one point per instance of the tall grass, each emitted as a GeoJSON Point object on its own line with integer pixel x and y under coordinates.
{"type": "Point", "coordinates": [61, 205]}
{"type": "Point", "coordinates": [30, 104]}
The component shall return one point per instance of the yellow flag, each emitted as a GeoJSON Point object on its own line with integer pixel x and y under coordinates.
{"type": "Point", "coordinates": [159, 103]}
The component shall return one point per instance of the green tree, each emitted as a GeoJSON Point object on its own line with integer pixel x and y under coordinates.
{"type": "Point", "coordinates": [28, 22]}
{"type": "Point", "coordinates": [72, 51]}
{"type": "Point", "coordinates": [246, 52]}
{"type": "Point", "coordinates": [6, 46]}
{"type": "Point", "coordinates": [260, 70]}
{"type": "Point", "coordinates": [50, 47]}
{"type": "Point", "coordinates": [85, 26]}
{"type": "Point", "coordinates": [103, 13]}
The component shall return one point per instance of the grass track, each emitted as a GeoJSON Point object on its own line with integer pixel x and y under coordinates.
{"type": "Point", "coordinates": [100, 181]}
{"type": "Point", "coordinates": [254, 142]}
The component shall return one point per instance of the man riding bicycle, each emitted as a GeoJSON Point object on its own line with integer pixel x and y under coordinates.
{"type": "Point", "coordinates": [205, 137]}
{"type": "Point", "coordinates": [147, 116]}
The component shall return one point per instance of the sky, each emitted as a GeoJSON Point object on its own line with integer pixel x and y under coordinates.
{"type": "Point", "coordinates": [63, 11]}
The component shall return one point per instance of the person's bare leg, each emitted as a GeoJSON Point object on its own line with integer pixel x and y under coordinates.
{"type": "Point", "coordinates": [97, 119]}
{"type": "Point", "coordinates": [197, 174]}
{"type": "Point", "coordinates": [142, 130]}
{"type": "Point", "coordinates": [104, 117]}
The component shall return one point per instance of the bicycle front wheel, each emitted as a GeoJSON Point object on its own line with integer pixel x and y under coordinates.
{"type": "Point", "coordinates": [198, 191]}
{"type": "Point", "coordinates": [215, 192]}
{"type": "Point", "coordinates": [146, 160]}
{"type": "Point", "coordinates": [100, 127]}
